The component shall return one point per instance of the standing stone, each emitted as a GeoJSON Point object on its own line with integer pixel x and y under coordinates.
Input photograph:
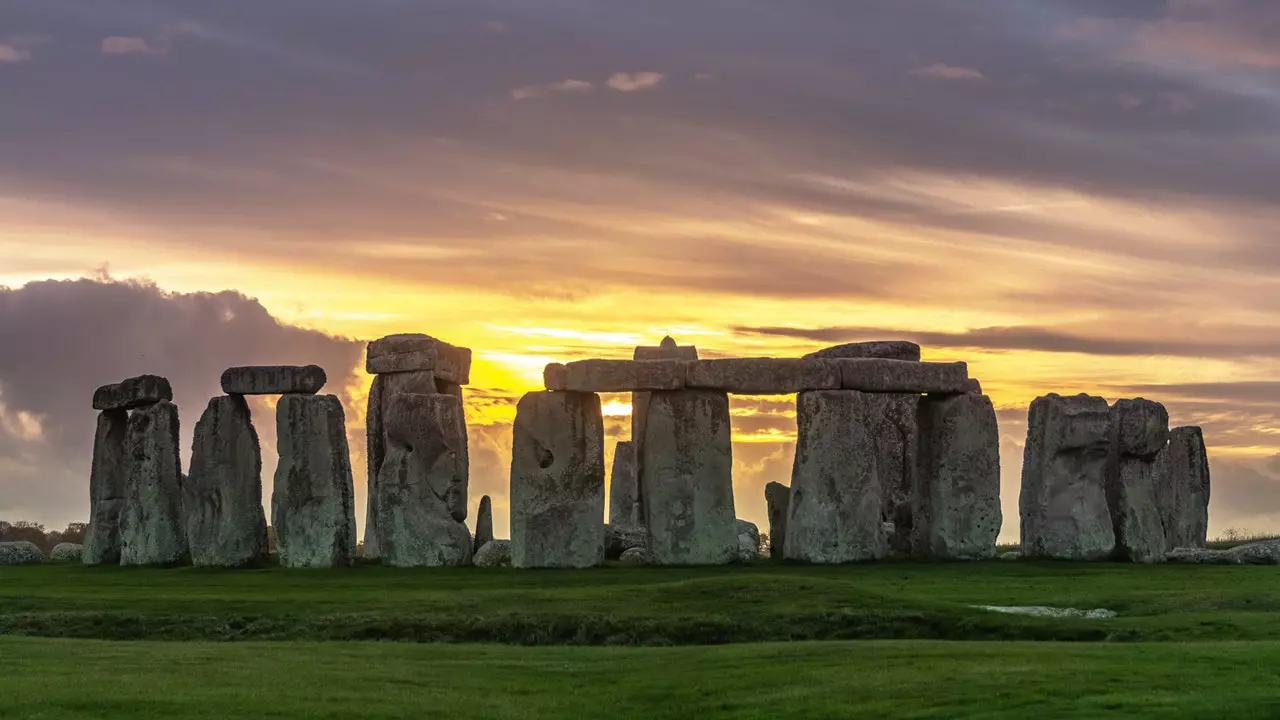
{"type": "Point", "coordinates": [622, 485]}
{"type": "Point", "coordinates": [665, 350]}
{"type": "Point", "coordinates": [313, 503]}
{"type": "Point", "coordinates": [557, 481]}
{"type": "Point", "coordinates": [222, 497]}
{"type": "Point", "coordinates": [957, 498]}
{"type": "Point", "coordinates": [384, 388]}
{"type": "Point", "coordinates": [152, 531]}
{"type": "Point", "coordinates": [687, 478]}
{"type": "Point", "coordinates": [778, 499]}
{"type": "Point", "coordinates": [1139, 433]}
{"type": "Point", "coordinates": [108, 488]}
{"type": "Point", "coordinates": [422, 486]}
{"type": "Point", "coordinates": [484, 523]}
{"type": "Point", "coordinates": [1182, 489]}
{"type": "Point", "coordinates": [836, 494]}
{"type": "Point", "coordinates": [1064, 501]}
{"type": "Point", "coordinates": [893, 418]}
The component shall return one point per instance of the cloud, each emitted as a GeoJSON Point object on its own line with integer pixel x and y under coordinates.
{"type": "Point", "coordinates": [11, 53]}
{"type": "Point", "coordinates": [563, 86]}
{"type": "Point", "coordinates": [941, 71]}
{"type": "Point", "coordinates": [631, 82]}
{"type": "Point", "coordinates": [121, 45]}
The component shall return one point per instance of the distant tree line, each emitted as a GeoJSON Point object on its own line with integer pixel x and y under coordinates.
{"type": "Point", "coordinates": [36, 533]}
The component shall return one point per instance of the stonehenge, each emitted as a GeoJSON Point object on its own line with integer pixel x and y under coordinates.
{"type": "Point", "coordinates": [956, 502]}
{"type": "Point", "coordinates": [484, 523]}
{"type": "Point", "coordinates": [273, 380]}
{"type": "Point", "coordinates": [623, 493]}
{"type": "Point", "coordinates": [108, 488]}
{"type": "Point", "coordinates": [1139, 433]}
{"type": "Point", "coordinates": [1182, 489]}
{"type": "Point", "coordinates": [313, 501]}
{"type": "Point", "coordinates": [152, 527]}
{"type": "Point", "coordinates": [222, 498]}
{"type": "Point", "coordinates": [777, 498]}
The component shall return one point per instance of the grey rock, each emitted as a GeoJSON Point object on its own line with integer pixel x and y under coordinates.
{"type": "Point", "coordinates": [763, 376]}
{"type": "Point", "coordinates": [777, 498]}
{"type": "Point", "coordinates": [893, 423]}
{"type": "Point", "coordinates": [621, 538]}
{"type": "Point", "coordinates": [495, 553]}
{"type": "Point", "coordinates": [901, 376]}
{"type": "Point", "coordinates": [152, 527]}
{"type": "Point", "coordinates": [1139, 430]}
{"type": "Point", "coordinates": [444, 387]}
{"type": "Point", "coordinates": [222, 497]}
{"type": "Point", "coordinates": [1201, 556]}
{"type": "Point", "coordinates": [313, 502]}
{"type": "Point", "coordinates": [836, 495]}
{"type": "Point", "coordinates": [20, 552]}
{"type": "Point", "coordinates": [384, 388]}
{"type": "Point", "coordinates": [1182, 489]}
{"type": "Point", "coordinates": [1011, 555]}
{"type": "Point", "coordinates": [1264, 552]}
{"type": "Point", "coordinates": [422, 485]}
{"type": "Point", "coordinates": [414, 352]}
{"type": "Point", "coordinates": [622, 485]}
{"type": "Point", "coordinates": [108, 488]}
{"type": "Point", "coordinates": [956, 514]}
{"type": "Point", "coordinates": [638, 556]}
{"type": "Point", "coordinates": [484, 523]}
{"type": "Point", "coordinates": [592, 376]}
{"type": "Point", "coordinates": [1051, 612]}
{"type": "Point", "coordinates": [273, 380]}
{"type": "Point", "coordinates": [557, 481]}
{"type": "Point", "coordinates": [666, 350]}
{"type": "Point", "coordinates": [1063, 502]}
{"type": "Point", "coordinates": [972, 386]}
{"type": "Point", "coordinates": [67, 552]}
{"type": "Point", "coordinates": [687, 478]}
{"type": "Point", "coordinates": [885, 349]}
{"type": "Point", "coordinates": [748, 541]}
{"type": "Point", "coordinates": [133, 393]}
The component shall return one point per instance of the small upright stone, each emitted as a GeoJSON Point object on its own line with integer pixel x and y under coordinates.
{"type": "Point", "coordinates": [748, 541]}
{"type": "Point", "coordinates": [273, 380]}
{"type": "Point", "coordinates": [1182, 489]}
{"type": "Point", "coordinates": [133, 393]}
{"type": "Point", "coordinates": [622, 485]}
{"type": "Point", "coordinates": [413, 352]}
{"type": "Point", "coordinates": [884, 349]}
{"type": "Point", "coordinates": [557, 481]}
{"type": "Point", "coordinates": [484, 522]}
{"type": "Point", "coordinates": [313, 502]}
{"type": "Point", "coordinates": [778, 499]}
{"type": "Point", "coordinates": [108, 488]}
{"type": "Point", "coordinates": [152, 531]}
{"type": "Point", "coordinates": [957, 498]}
{"type": "Point", "coordinates": [668, 349]}
{"type": "Point", "coordinates": [222, 498]}
{"type": "Point", "coordinates": [1139, 432]}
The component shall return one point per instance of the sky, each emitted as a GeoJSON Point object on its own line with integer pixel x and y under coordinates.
{"type": "Point", "coordinates": [1070, 195]}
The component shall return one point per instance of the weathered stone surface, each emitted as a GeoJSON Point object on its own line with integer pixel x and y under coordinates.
{"type": "Point", "coordinates": [133, 393]}
{"type": "Point", "coordinates": [1263, 552]}
{"type": "Point", "coordinates": [1182, 489]}
{"type": "Point", "coordinates": [422, 485]}
{"type": "Point", "coordinates": [972, 386]}
{"type": "Point", "coordinates": [384, 388]}
{"type": "Point", "coordinates": [892, 418]}
{"type": "Point", "coordinates": [901, 376]}
{"type": "Point", "coordinates": [484, 522]}
{"type": "Point", "coordinates": [313, 502]}
{"type": "Point", "coordinates": [956, 515]}
{"type": "Point", "coordinates": [222, 497]}
{"type": "Point", "coordinates": [836, 494]}
{"type": "Point", "coordinates": [495, 553]}
{"type": "Point", "coordinates": [687, 478]}
{"type": "Point", "coordinates": [778, 499]}
{"type": "Point", "coordinates": [20, 552]}
{"type": "Point", "coordinates": [557, 481]}
{"type": "Point", "coordinates": [152, 531]}
{"type": "Point", "coordinates": [638, 556]}
{"type": "Point", "coordinates": [592, 376]}
{"type": "Point", "coordinates": [666, 350]}
{"type": "Point", "coordinates": [412, 352]}
{"type": "Point", "coordinates": [622, 485]}
{"type": "Point", "coordinates": [1201, 556]}
{"type": "Point", "coordinates": [621, 538]}
{"type": "Point", "coordinates": [108, 488]}
{"type": "Point", "coordinates": [885, 349]}
{"type": "Point", "coordinates": [67, 552]}
{"type": "Point", "coordinates": [763, 376]}
{"type": "Point", "coordinates": [1063, 502]}
{"type": "Point", "coordinates": [1011, 555]}
{"type": "Point", "coordinates": [273, 380]}
{"type": "Point", "coordinates": [748, 541]}
{"type": "Point", "coordinates": [1139, 430]}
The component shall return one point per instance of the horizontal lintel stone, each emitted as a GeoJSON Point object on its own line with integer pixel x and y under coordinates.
{"type": "Point", "coordinates": [615, 375]}
{"type": "Point", "coordinates": [274, 380]}
{"type": "Point", "coordinates": [902, 376]}
{"type": "Point", "coordinates": [410, 353]}
{"type": "Point", "coordinates": [763, 376]}
{"type": "Point", "coordinates": [135, 392]}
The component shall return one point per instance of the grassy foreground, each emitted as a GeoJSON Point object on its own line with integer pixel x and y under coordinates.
{"type": "Point", "coordinates": [69, 680]}
{"type": "Point", "coordinates": [642, 606]}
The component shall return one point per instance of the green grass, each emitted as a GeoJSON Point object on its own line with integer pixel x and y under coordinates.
{"type": "Point", "coordinates": [70, 680]}
{"type": "Point", "coordinates": [642, 606]}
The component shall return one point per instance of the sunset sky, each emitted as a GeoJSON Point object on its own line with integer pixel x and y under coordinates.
{"type": "Point", "coordinates": [1070, 195]}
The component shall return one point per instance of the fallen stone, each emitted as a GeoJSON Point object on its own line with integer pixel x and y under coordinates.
{"type": "Point", "coordinates": [1201, 556]}
{"type": "Point", "coordinates": [20, 552]}
{"type": "Point", "coordinates": [313, 502]}
{"type": "Point", "coordinates": [422, 485]}
{"type": "Point", "coordinates": [1063, 502]}
{"type": "Point", "coordinates": [762, 376]}
{"type": "Point", "coordinates": [133, 393]}
{"type": "Point", "coordinates": [1182, 489]}
{"type": "Point", "coordinates": [412, 352]}
{"type": "Point", "coordinates": [883, 349]}
{"type": "Point", "coordinates": [687, 478]}
{"type": "Point", "coordinates": [1139, 430]}
{"type": "Point", "coordinates": [1012, 555]}
{"type": "Point", "coordinates": [1263, 552]}
{"type": "Point", "coordinates": [495, 553]}
{"type": "Point", "coordinates": [557, 481]}
{"type": "Point", "coordinates": [622, 485]}
{"type": "Point", "coordinates": [222, 498]}
{"type": "Point", "coordinates": [273, 380]}
{"type": "Point", "coordinates": [638, 556]}
{"type": "Point", "coordinates": [666, 350]}
{"type": "Point", "coordinates": [836, 495]}
{"type": "Point", "coordinates": [777, 498]}
{"type": "Point", "coordinates": [484, 522]}
{"type": "Point", "coordinates": [67, 552]}
{"type": "Point", "coordinates": [1052, 612]}
{"type": "Point", "coordinates": [108, 488]}
{"type": "Point", "coordinates": [383, 389]}
{"type": "Point", "coordinates": [748, 541]}
{"type": "Point", "coordinates": [621, 538]}
{"type": "Point", "coordinates": [152, 528]}
{"type": "Point", "coordinates": [957, 515]}
{"type": "Point", "coordinates": [593, 376]}
{"type": "Point", "coordinates": [900, 376]}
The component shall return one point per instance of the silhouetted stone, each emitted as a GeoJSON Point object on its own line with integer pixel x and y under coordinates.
{"type": "Point", "coordinates": [222, 498]}
{"type": "Point", "coordinates": [313, 502]}
{"type": "Point", "coordinates": [1139, 431]}
{"type": "Point", "coordinates": [622, 485]}
{"type": "Point", "coordinates": [133, 393]}
{"type": "Point", "coordinates": [594, 376]}
{"type": "Point", "coordinates": [957, 501]}
{"type": "Point", "coordinates": [108, 488]}
{"type": "Point", "coordinates": [484, 522]}
{"type": "Point", "coordinates": [885, 349]}
{"type": "Point", "coordinates": [778, 499]}
{"type": "Point", "coordinates": [415, 352]}
{"type": "Point", "coordinates": [901, 376]}
{"type": "Point", "coordinates": [152, 528]}
{"type": "Point", "coordinates": [273, 380]}
{"type": "Point", "coordinates": [763, 376]}
{"type": "Point", "coordinates": [1182, 489]}
{"type": "Point", "coordinates": [384, 388]}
